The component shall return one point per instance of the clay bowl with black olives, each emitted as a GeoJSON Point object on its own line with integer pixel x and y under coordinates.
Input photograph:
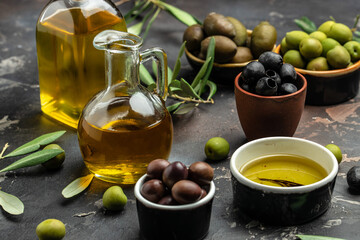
{"type": "Point", "coordinates": [184, 214]}
{"type": "Point", "coordinates": [294, 192]}
{"type": "Point", "coordinates": [332, 86]}
{"type": "Point", "coordinates": [222, 72]}
{"type": "Point", "coordinates": [267, 116]}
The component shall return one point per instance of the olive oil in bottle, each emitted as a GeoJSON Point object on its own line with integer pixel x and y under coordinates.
{"type": "Point", "coordinates": [71, 70]}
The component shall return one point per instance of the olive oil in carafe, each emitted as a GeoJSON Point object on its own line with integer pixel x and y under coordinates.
{"type": "Point", "coordinates": [71, 70]}
{"type": "Point", "coordinates": [120, 148]}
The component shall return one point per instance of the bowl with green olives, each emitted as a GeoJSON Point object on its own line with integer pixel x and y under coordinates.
{"type": "Point", "coordinates": [174, 201]}
{"type": "Point", "coordinates": [329, 58]}
{"type": "Point", "coordinates": [235, 45]}
{"type": "Point", "coordinates": [270, 97]}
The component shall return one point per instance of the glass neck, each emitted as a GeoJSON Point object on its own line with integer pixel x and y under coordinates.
{"type": "Point", "coordinates": [122, 67]}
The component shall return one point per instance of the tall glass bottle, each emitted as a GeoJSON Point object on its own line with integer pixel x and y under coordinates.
{"type": "Point", "coordinates": [71, 70]}
{"type": "Point", "coordinates": [125, 126]}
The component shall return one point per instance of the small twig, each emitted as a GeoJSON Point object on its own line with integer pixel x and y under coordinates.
{"type": "Point", "coordinates": [3, 150]}
{"type": "Point", "coordinates": [192, 99]}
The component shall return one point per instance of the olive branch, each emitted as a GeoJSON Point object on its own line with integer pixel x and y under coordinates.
{"type": "Point", "coordinates": [187, 96]}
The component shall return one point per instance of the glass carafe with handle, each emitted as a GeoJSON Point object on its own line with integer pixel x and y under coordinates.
{"type": "Point", "coordinates": [125, 126]}
{"type": "Point", "coordinates": [71, 70]}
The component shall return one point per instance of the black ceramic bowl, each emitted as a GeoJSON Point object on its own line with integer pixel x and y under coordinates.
{"type": "Point", "coordinates": [283, 205]}
{"type": "Point", "coordinates": [180, 222]}
{"type": "Point", "coordinates": [330, 87]}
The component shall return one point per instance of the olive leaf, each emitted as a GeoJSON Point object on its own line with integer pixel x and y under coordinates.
{"type": "Point", "coordinates": [187, 89]}
{"type": "Point", "coordinates": [179, 14]}
{"type": "Point", "coordinates": [174, 106]}
{"type": "Point", "coordinates": [151, 22]}
{"type": "Point", "coordinates": [136, 29]}
{"type": "Point", "coordinates": [209, 54]}
{"type": "Point", "coordinates": [313, 237]}
{"type": "Point", "coordinates": [201, 73]}
{"type": "Point", "coordinates": [177, 66]}
{"type": "Point", "coordinates": [155, 71]}
{"type": "Point", "coordinates": [136, 11]}
{"type": "Point", "coordinates": [11, 203]}
{"type": "Point", "coordinates": [145, 76]}
{"type": "Point", "coordinates": [33, 159]}
{"type": "Point", "coordinates": [36, 144]}
{"type": "Point", "coordinates": [77, 186]}
{"type": "Point", "coordinates": [213, 88]}
{"type": "Point", "coordinates": [185, 108]}
{"type": "Point", "coordinates": [306, 24]}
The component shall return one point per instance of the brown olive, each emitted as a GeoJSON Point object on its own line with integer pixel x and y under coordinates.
{"type": "Point", "coordinates": [167, 200]}
{"type": "Point", "coordinates": [193, 36]}
{"type": "Point", "coordinates": [153, 190]}
{"type": "Point", "coordinates": [217, 24]}
{"type": "Point", "coordinates": [186, 191]}
{"type": "Point", "coordinates": [176, 171]}
{"type": "Point", "coordinates": [225, 48]}
{"type": "Point", "coordinates": [201, 173]}
{"type": "Point", "coordinates": [156, 167]}
{"type": "Point", "coordinates": [203, 193]}
{"type": "Point", "coordinates": [243, 54]}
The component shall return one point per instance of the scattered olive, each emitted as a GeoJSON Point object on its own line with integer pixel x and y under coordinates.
{"type": "Point", "coordinates": [271, 60]}
{"type": "Point", "coordinates": [55, 162]}
{"type": "Point", "coordinates": [153, 190]}
{"type": "Point", "coordinates": [114, 198]}
{"type": "Point", "coordinates": [217, 148]}
{"type": "Point", "coordinates": [168, 200]}
{"type": "Point", "coordinates": [51, 229]}
{"type": "Point", "coordinates": [176, 171]}
{"type": "Point", "coordinates": [156, 168]}
{"type": "Point", "coordinates": [186, 191]}
{"type": "Point", "coordinates": [266, 86]}
{"type": "Point", "coordinates": [353, 178]}
{"type": "Point", "coordinates": [201, 173]}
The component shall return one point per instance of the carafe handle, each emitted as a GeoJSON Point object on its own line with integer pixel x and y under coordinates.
{"type": "Point", "coordinates": [160, 57]}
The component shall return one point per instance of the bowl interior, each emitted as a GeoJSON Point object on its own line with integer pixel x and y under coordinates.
{"type": "Point", "coordinates": [147, 203]}
{"type": "Point", "coordinates": [283, 145]}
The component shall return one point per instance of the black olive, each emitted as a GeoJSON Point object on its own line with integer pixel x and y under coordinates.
{"type": "Point", "coordinates": [274, 75]}
{"type": "Point", "coordinates": [252, 72]}
{"type": "Point", "coordinates": [353, 178]}
{"type": "Point", "coordinates": [287, 73]}
{"type": "Point", "coordinates": [271, 60]}
{"type": "Point", "coordinates": [266, 86]}
{"type": "Point", "coordinates": [287, 88]}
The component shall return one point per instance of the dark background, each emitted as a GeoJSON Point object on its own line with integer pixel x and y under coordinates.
{"type": "Point", "coordinates": [21, 120]}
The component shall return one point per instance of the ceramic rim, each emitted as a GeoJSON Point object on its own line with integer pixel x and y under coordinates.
{"type": "Point", "coordinates": [147, 203]}
{"type": "Point", "coordinates": [283, 190]}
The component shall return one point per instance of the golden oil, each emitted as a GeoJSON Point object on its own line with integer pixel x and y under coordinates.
{"type": "Point", "coordinates": [71, 70]}
{"type": "Point", "coordinates": [283, 170]}
{"type": "Point", "coordinates": [118, 148]}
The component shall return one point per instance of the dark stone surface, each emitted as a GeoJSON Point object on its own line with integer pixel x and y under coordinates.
{"type": "Point", "coordinates": [21, 120]}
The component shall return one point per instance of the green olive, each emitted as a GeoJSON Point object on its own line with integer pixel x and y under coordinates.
{"type": "Point", "coordinates": [241, 32]}
{"type": "Point", "coordinates": [225, 48]}
{"type": "Point", "coordinates": [217, 24]}
{"type": "Point", "coordinates": [263, 38]}
{"type": "Point", "coordinates": [193, 36]}
{"type": "Point", "coordinates": [114, 198]}
{"type": "Point", "coordinates": [55, 162]}
{"type": "Point", "coordinates": [50, 229]}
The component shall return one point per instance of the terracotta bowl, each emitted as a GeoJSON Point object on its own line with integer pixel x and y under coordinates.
{"type": "Point", "coordinates": [188, 221]}
{"type": "Point", "coordinates": [267, 116]}
{"type": "Point", "coordinates": [222, 72]}
{"type": "Point", "coordinates": [282, 205]}
{"type": "Point", "coordinates": [331, 87]}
